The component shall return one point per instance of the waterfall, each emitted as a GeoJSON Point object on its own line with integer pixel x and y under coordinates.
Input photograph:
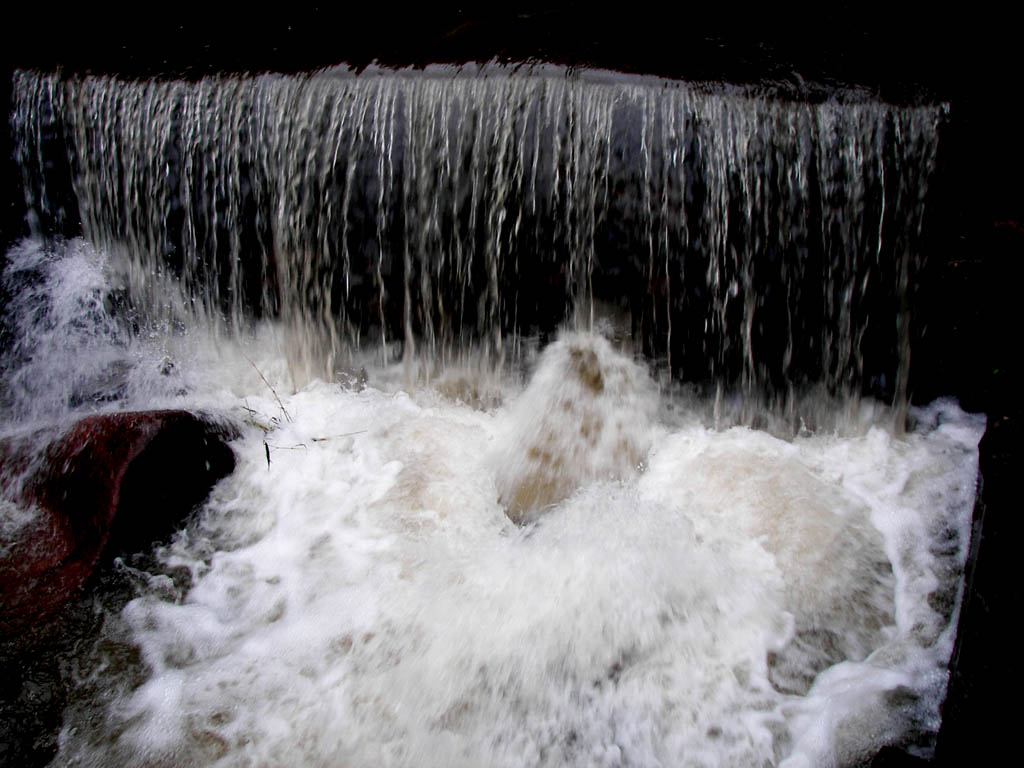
{"type": "Point", "coordinates": [570, 412]}
{"type": "Point", "coordinates": [746, 239]}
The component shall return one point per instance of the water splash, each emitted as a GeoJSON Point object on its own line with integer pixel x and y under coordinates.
{"type": "Point", "coordinates": [586, 416]}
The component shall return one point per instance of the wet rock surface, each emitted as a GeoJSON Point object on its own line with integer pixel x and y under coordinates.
{"type": "Point", "coordinates": [110, 483]}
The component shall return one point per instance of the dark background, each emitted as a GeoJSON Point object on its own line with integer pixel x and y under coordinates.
{"type": "Point", "coordinates": [970, 57]}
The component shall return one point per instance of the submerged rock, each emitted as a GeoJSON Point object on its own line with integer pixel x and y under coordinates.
{"type": "Point", "coordinates": [838, 584]}
{"type": "Point", "coordinates": [585, 416]}
{"type": "Point", "coordinates": [110, 483]}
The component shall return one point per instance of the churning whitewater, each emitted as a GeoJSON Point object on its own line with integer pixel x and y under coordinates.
{"type": "Point", "coordinates": [478, 568]}
{"type": "Point", "coordinates": [495, 342]}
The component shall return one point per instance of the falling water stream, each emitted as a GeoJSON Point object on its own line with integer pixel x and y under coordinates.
{"type": "Point", "coordinates": [573, 407]}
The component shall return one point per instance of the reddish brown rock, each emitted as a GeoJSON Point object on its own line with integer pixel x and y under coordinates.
{"type": "Point", "coordinates": [110, 483]}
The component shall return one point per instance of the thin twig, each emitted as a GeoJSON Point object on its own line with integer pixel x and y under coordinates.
{"type": "Point", "coordinates": [267, 446]}
{"type": "Point", "coordinates": [272, 390]}
{"type": "Point", "coordinates": [332, 437]}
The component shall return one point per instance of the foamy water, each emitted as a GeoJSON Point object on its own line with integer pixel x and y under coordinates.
{"type": "Point", "coordinates": [678, 594]}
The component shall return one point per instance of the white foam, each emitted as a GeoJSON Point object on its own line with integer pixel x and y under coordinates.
{"type": "Point", "coordinates": [375, 605]}
{"type": "Point", "coordinates": [730, 599]}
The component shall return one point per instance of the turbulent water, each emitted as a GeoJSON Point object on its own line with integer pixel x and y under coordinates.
{"type": "Point", "coordinates": [357, 594]}
{"type": "Point", "coordinates": [476, 517]}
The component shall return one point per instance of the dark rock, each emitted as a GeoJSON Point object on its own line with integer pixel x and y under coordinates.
{"type": "Point", "coordinates": [31, 704]}
{"type": "Point", "coordinates": [108, 386]}
{"type": "Point", "coordinates": [892, 757]}
{"type": "Point", "coordinates": [111, 483]}
{"type": "Point", "coordinates": [978, 727]}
